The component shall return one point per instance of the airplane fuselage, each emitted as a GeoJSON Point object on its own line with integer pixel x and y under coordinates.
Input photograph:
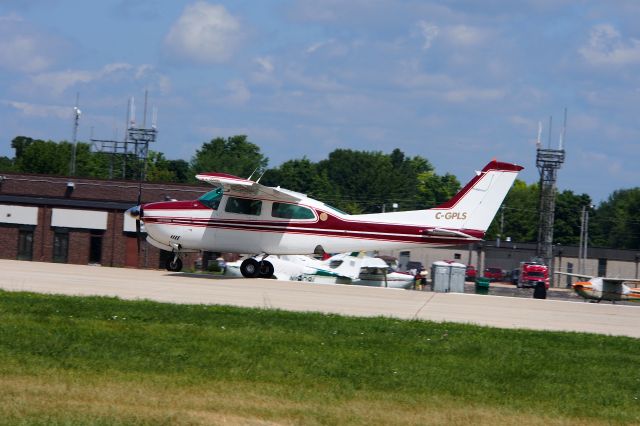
{"type": "Point", "coordinates": [193, 225]}
{"type": "Point", "coordinates": [596, 291]}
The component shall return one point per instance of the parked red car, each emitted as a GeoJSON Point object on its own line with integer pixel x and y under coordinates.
{"type": "Point", "coordinates": [494, 274]}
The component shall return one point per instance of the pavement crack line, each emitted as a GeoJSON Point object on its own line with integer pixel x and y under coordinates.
{"type": "Point", "coordinates": [415, 316]}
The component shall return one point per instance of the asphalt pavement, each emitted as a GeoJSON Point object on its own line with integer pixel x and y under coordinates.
{"type": "Point", "coordinates": [492, 309]}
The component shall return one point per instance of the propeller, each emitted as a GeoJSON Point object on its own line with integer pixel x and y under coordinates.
{"type": "Point", "coordinates": [137, 212]}
{"type": "Point", "coordinates": [138, 233]}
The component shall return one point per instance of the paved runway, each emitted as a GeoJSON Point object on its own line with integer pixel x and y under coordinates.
{"type": "Point", "coordinates": [162, 286]}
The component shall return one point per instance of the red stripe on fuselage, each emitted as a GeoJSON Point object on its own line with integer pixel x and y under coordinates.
{"type": "Point", "coordinates": [332, 227]}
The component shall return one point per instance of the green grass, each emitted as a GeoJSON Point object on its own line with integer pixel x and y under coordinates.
{"type": "Point", "coordinates": [72, 360]}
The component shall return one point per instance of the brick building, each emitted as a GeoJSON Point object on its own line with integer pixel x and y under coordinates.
{"type": "Point", "coordinates": [80, 221]}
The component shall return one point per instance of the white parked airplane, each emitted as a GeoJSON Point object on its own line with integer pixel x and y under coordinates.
{"type": "Point", "coordinates": [604, 288]}
{"type": "Point", "coordinates": [344, 268]}
{"type": "Point", "coordinates": [243, 216]}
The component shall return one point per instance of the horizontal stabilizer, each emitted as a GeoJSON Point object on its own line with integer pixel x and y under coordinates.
{"type": "Point", "coordinates": [441, 232]}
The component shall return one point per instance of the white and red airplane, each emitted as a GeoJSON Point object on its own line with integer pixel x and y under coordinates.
{"type": "Point", "coordinates": [243, 216]}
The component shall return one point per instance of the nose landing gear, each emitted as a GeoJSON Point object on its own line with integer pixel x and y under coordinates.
{"type": "Point", "coordinates": [174, 264]}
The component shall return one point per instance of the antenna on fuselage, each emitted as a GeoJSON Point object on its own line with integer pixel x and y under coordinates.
{"type": "Point", "coordinates": [258, 181]}
{"type": "Point", "coordinates": [251, 175]}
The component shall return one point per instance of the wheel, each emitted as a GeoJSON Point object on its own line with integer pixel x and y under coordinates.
{"type": "Point", "coordinates": [174, 266]}
{"type": "Point", "coordinates": [266, 269]}
{"type": "Point", "coordinates": [250, 268]}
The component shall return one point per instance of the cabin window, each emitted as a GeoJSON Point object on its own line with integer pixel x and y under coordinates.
{"type": "Point", "coordinates": [291, 211]}
{"type": "Point", "coordinates": [212, 198]}
{"type": "Point", "coordinates": [243, 206]}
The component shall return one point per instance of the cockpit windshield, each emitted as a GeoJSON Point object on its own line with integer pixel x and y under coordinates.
{"type": "Point", "coordinates": [212, 198]}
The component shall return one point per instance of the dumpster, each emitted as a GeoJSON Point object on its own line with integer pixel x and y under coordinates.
{"type": "Point", "coordinates": [482, 285]}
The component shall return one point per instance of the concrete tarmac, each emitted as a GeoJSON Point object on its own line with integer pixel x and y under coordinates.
{"type": "Point", "coordinates": [163, 286]}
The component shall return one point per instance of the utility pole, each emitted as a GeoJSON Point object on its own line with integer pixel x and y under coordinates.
{"type": "Point", "coordinates": [76, 120]}
{"type": "Point", "coordinates": [584, 240]}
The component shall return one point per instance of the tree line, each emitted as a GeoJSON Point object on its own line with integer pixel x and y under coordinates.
{"type": "Point", "coordinates": [350, 180]}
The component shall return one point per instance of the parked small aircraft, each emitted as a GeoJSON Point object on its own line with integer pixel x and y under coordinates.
{"type": "Point", "coordinates": [343, 268]}
{"type": "Point", "coordinates": [603, 288]}
{"type": "Point", "coordinates": [243, 216]}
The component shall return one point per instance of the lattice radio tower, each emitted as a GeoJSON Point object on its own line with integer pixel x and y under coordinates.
{"type": "Point", "coordinates": [548, 161]}
{"type": "Point", "coordinates": [134, 147]}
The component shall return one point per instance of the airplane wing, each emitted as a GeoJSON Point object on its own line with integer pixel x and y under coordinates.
{"type": "Point", "coordinates": [237, 184]}
{"type": "Point", "coordinates": [605, 280]}
{"type": "Point", "coordinates": [620, 281]}
{"type": "Point", "coordinates": [583, 276]}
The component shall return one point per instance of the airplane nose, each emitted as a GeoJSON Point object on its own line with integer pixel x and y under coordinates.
{"type": "Point", "coordinates": [135, 212]}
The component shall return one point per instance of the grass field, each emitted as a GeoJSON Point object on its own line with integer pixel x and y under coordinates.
{"type": "Point", "coordinates": [68, 360]}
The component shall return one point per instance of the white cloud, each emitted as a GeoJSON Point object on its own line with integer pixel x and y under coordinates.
{"type": "Point", "coordinates": [266, 63]}
{"type": "Point", "coordinates": [465, 95]}
{"type": "Point", "coordinates": [24, 48]}
{"type": "Point", "coordinates": [331, 47]}
{"type": "Point", "coordinates": [429, 32]}
{"type": "Point", "coordinates": [204, 33]}
{"type": "Point", "coordinates": [463, 35]}
{"type": "Point", "coordinates": [59, 81]}
{"type": "Point", "coordinates": [239, 93]}
{"type": "Point", "coordinates": [36, 110]}
{"type": "Point", "coordinates": [607, 47]}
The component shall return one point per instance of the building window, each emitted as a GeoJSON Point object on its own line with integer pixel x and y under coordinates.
{"type": "Point", "coordinates": [457, 256]}
{"type": "Point", "coordinates": [602, 267]}
{"type": "Point", "coordinates": [60, 246]}
{"type": "Point", "coordinates": [95, 247]}
{"type": "Point", "coordinates": [243, 206]}
{"type": "Point", "coordinates": [25, 244]}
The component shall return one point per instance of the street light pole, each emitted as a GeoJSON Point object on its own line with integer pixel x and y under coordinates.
{"type": "Point", "coordinates": [76, 120]}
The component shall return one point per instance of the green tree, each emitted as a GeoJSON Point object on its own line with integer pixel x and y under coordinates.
{"type": "Point", "coordinates": [566, 227]}
{"type": "Point", "coordinates": [369, 182]}
{"type": "Point", "coordinates": [520, 212]}
{"type": "Point", "coordinates": [20, 143]}
{"type": "Point", "coordinates": [434, 189]}
{"type": "Point", "coordinates": [616, 223]}
{"type": "Point", "coordinates": [158, 168]}
{"type": "Point", "coordinates": [234, 155]}
{"type": "Point", "coordinates": [6, 164]}
{"type": "Point", "coordinates": [181, 170]}
{"type": "Point", "coordinates": [46, 157]}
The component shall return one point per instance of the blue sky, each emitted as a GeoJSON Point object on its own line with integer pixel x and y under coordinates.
{"type": "Point", "coordinates": [458, 82]}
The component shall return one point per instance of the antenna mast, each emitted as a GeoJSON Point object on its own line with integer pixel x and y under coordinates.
{"type": "Point", "coordinates": [136, 141]}
{"type": "Point", "coordinates": [548, 162]}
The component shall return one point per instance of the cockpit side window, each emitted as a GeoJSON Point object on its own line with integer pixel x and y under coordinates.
{"type": "Point", "coordinates": [243, 206]}
{"type": "Point", "coordinates": [212, 198]}
{"type": "Point", "coordinates": [291, 211]}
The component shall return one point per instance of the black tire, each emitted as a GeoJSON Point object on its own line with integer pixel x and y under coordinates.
{"type": "Point", "coordinates": [250, 268]}
{"type": "Point", "coordinates": [174, 266]}
{"type": "Point", "coordinates": [266, 269]}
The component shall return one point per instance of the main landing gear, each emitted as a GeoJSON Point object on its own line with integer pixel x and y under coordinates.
{"type": "Point", "coordinates": [253, 268]}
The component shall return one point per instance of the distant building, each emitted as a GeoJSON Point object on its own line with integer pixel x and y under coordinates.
{"type": "Point", "coordinates": [80, 221]}
{"type": "Point", "coordinates": [507, 256]}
